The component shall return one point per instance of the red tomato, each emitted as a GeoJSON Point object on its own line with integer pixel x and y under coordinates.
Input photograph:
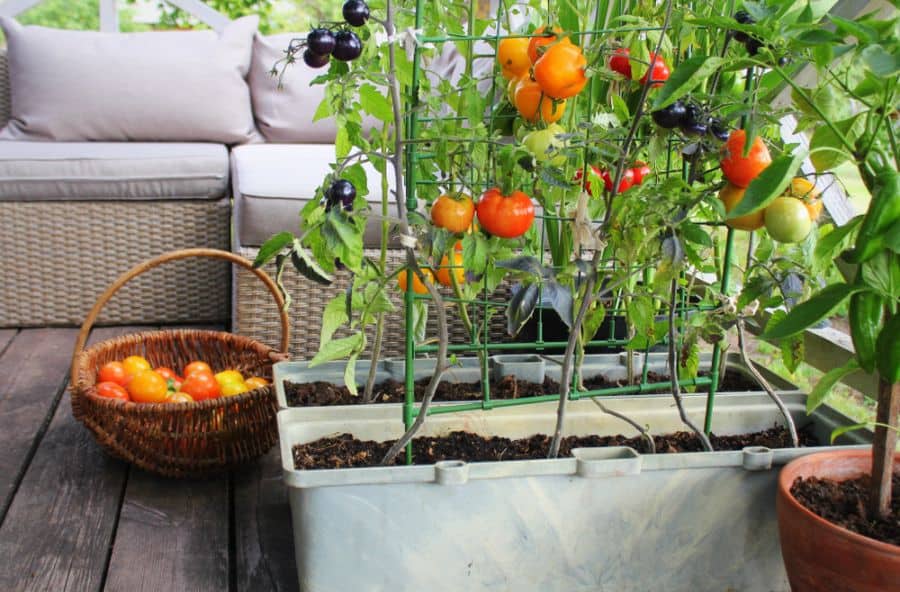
{"type": "Point", "coordinates": [112, 390]}
{"type": "Point", "coordinates": [624, 184]}
{"type": "Point", "coordinates": [197, 366]}
{"type": "Point", "coordinates": [658, 71]}
{"type": "Point", "coordinates": [506, 216]}
{"type": "Point", "coordinates": [113, 372]}
{"type": "Point", "coordinates": [740, 169]}
{"type": "Point", "coordinates": [620, 63]}
{"type": "Point", "coordinates": [587, 184]}
{"type": "Point", "coordinates": [201, 386]}
{"type": "Point", "coordinates": [640, 171]}
{"type": "Point", "coordinates": [536, 44]}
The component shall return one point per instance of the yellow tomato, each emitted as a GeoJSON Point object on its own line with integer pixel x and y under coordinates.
{"type": "Point", "coordinates": [135, 364]}
{"type": "Point", "coordinates": [255, 382]}
{"type": "Point", "coordinates": [231, 389]}
{"type": "Point", "coordinates": [731, 196]}
{"type": "Point", "coordinates": [512, 53]}
{"type": "Point", "coordinates": [226, 376]}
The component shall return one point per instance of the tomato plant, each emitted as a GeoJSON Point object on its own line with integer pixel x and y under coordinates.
{"type": "Point", "coordinates": [787, 220]}
{"type": "Point", "coordinates": [620, 62]}
{"type": "Point", "coordinates": [658, 72]}
{"type": "Point", "coordinates": [506, 216]}
{"type": "Point", "coordinates": [541, 39]}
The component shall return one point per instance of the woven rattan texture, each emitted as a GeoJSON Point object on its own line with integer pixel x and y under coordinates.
{"type": "Point", "coordinates": [58, 257]}
{"type": "Point", "coordinates": [5, 102]}
{"type": "Point", "coordinates": [257, 318]}
{"type": "Point", "coordinates": [180, 439]}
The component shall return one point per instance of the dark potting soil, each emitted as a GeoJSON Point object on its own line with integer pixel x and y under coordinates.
{"type": "Point", "coordinates": [324, 394]}
{"type": "Point", "coordinates": [345, 451]}
{"type": "Point", "coordinates": [844, 503]}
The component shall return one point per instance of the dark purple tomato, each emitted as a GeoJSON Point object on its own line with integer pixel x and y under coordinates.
{"type": "Point", "coordinates": [320, 41]}
{"type": "Point", "coordinates": [342, 191]}
{"type": "Point", "coordinates": [743, 18]}
{"type": "Point", "coordinates": [314, 60]}
{"type": "Point", "coordinates": [718, 130]}
{"type": "Point", "coordinates": [669, 117]}
{"type": "Point", "coordinates": [356, 12]}
{"type": "Point", "coordinates": [753, 45]}
{"type": "Point", "coordinates": [347, 46]}
{"type": "Point", "coordinates": [693, 115]}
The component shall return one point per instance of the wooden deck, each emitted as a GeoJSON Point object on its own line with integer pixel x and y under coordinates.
{"type": "Point", "coordinates": [74, 519]}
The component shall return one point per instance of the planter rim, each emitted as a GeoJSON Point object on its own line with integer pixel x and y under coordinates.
{"type": "Point", "coordinates": [859, 453]}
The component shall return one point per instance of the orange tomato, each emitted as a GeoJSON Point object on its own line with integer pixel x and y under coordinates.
{"type": "Point", "coordinates": [536, 44]}
{"type": "Point", "coordinates": [201, 386]}
{"type": "Point", "coordinates": [731, 196]}
{"type": "Point", "coordinates": [255, 382]}
{"type": "Point", "coordinates": [560, 71]}
{"type": "Point", "coordinates": [740, 170]}
{"type": "Point", "coordinates": [512, 53]}
{"type": "Point", "coordinates": [444, 271]}
{"type": "Point", "coordinates": [533, 105]}
{"type": "Point", "coordinates": [418, 286]}
{"type": "Point", "coordinates": [148, 386]}
{"type": "Point", "coordinates": [197, 366]}
{"type": "Point", "coordinates": [805, 190]}
{"type": "Point", "coordinates": [455, 213]}
{"type": "Point", "coordinates": [135, 364]}
{"type": "Point", "coordinates": [179, 397]}
{"type": "Point", "coordinates": [113, 372]}
{"type": "Point", "coordinates": [506, 216]}
{"type": "Point", "coordinates": [112, 390]}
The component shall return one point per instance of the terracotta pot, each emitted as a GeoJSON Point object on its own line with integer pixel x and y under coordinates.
{"type": "Point", "coordinates": [819, 555]}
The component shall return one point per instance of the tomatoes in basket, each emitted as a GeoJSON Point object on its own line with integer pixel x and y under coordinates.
{"type": "Point", "coordinates": [148, 386]}
{"type": "Point", "coordinates": [201, 386]}
{"type": "Point", "coordinates": [232, 389]}
{"type": "Point", "coordinates": [454, 213]}
{"type": "Point", "coordinates": [255, 382]}
{"type": "Point", "coordinates": [113, 372]}
{"type": "Point", "coordinates": [179, 397]}
{"type": "Point", "coordinates": [197, 366]}
{"type": "Point", "coordinates": [226, 376]}
{"type": "Point", "coordinates": [112, 390]}
{"type": "Point", "coordinates": [506, 216]}
{"type": "Point", "coordinates": [560, 71]}
{"type": "Point", "coordinates": [135, 364]}
{"type": "Point", "coordinates": [740, 169]}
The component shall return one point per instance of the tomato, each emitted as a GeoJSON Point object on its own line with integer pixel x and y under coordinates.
{"type": "Point", "coordinates": [201, 386]}
{"type": "Point", "coordinates": [545, 144]}
{"type": "Point", "coordinates": [112, 390]}
{"type": "Point", "coordinates": [197, 366]}
{"type": "Point", "coordinates": [537, 43]}
{"type": "Point", "coordinates": [619, 62]}
{"type": "Point", "coordinates": [640, 171]}
{"type": "Point", "coordinates": [148, 386]}
{"type": "Point", "coordinates": [625, 183]}
{"type": "Point", "coordinates": [587, 185]}
{"type": "Point", "coordinates": [511, 89]}
{"type": "Point", "coordinates": [134, 364]}
{"type": "Point", "coordinates": [658, 71]}
{"type": "Point", "coordinates": [113, 372]}
{"type": "Point", "coordinates": [179, 397]}
{"type": "Point", "coordinates": [740, 169]}
{"type": "Point", "coordinates": [255, 382]}
{"type": "Point", "coordinates": [533, 105]}
{"type": "Point", "coordinates": [506, 216]}
{"type": "Point", "coordinates": [444, 271]}
{"type": "Point", "coordinates": [172, 379]}
{"type": "Point", "coordinates": [228, 376]}
{"type": "Point", "coordinates": [731, 196]}
{"type": "Point", "coordinates": [560, 71]}
{"type": "Point", "coordinates": [512, 53]}
{"type": "Point", "coordinates": [787, 220]}
{"type": "Point", "coordinates": [455, 213]}
{"type": "Point", "coordinates": [805, 190]}
{"type": "Point", "coordinates": [232, 389]}
{"type": "Point", "coordinates": [418, 286]}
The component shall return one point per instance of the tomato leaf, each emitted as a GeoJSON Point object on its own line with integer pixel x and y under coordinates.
{"type": "Point", "coordinates": [521, 307]}
{"type": "Point", "coordinates": [307, 266]}
{"type": "Point", "coordinates": [827, 382]}
{"type": "Point", "coordinates": [374, 102]}
{"type": "Point", "coordinates": [274, 245]}
{"type": "Point", "coordinates": [829, 246]}
{"type": "Point", "coordinates": [350, 374]}
{"type": "Point", "coordinates": [826, 150]}
{"type": "Point", "coordinates": [887, 358]}
{"type": "Point", "coordinates": [810, 312]}
{"type": "Point", "coordinates": [792, 348]}
{"type": "Point", "coordinates": [687, 76]}
{"type": "Point", "coordinates": [560, 298]}
{"type": "Point", "coordinates": [523, 263]}
{"type": "Point", "coordinates": [334, 315]}
{"type": "Point", "coordinates": [420, 320]}
{"type": "Point", "coordinates": [838, 432]}
{"type": "Point", "coordinates": [337, 349]}
{"type": "Point", "coordinates": [693, 233]}
{"type": "Point", "coordinates": [770, 183]}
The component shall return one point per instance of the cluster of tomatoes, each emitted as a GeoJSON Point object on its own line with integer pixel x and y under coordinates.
{"type": "Point", "coordinates": [790, 217]}
{"type": "Point", "coordinates": [543, 71]}
{"type": "Point", "coordinates": [134, 379]}
{"type": "Point", "coordinates": [342, 44]}
{"type": "Point", "coordinates": [630, 177]}
{"type": "Point", "coordinates": [657, 73]}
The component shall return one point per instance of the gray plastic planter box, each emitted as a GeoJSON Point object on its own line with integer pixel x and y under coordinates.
{"type": "Point", "coordinates": [609, 519]}
{"type": "Point", "coordinates": [525, 367]}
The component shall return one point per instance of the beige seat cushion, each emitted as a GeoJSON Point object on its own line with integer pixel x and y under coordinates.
{"type": "Point", "coordinates": [41, 171]}
{"type": "Point", "coordinates": [272, 183]}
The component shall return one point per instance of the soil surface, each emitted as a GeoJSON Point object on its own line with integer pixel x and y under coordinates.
{"type": "Point", "coordinates": [844, 503]}
{"type": "Point", "coordinates": [324, 394]}
{"type": "Point", "coordinates": [345, 451]}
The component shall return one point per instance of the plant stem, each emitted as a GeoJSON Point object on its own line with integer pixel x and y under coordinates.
{"type": "Point", "coordinates": [376, 355]}
{"type": "Point", "coordinates": [643, 431]}
{"type": "Point", "coordinates": [760, 379]}
{"type": "Point", "coordinates": [883, 446]}
{"type": "Point", "coordinates": [673, 370]}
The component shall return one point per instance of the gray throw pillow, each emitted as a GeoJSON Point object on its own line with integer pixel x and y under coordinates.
{"type": "Point", "coordinates": [159, 86]}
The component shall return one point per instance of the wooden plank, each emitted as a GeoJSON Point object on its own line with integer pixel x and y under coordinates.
{"type": "Point", "coordinates": [59, 526]}
{"type": "Point", "coordinates": [264, 541]}
{"type": "Point", "coordinates": [172, 535]}
{"type": "Point", "coordinates": [33, 372]}
{"type": "Point", "coordinates": [6, 336]}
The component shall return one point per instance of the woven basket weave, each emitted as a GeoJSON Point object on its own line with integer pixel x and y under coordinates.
{"type": "Point", "coordinates": [180, 439]}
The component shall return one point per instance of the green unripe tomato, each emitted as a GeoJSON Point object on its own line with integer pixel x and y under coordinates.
{"type": "Point", "coordinates": [787, 220]}
{"type": "Point", "coordinates": [544, 144]}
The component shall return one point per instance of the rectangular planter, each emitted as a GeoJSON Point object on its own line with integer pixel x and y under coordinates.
{"type": "Point", "coordinates": [611, 366]}
{"type": "Point", "coordinates": [609, 519]}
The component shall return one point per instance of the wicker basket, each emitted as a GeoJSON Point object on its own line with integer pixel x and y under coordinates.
{"type": "Point", "coordinates": [180, 439]}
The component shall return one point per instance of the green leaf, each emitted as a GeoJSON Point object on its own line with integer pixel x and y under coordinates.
{"type": "Point", "coordinates": [521, 307]}
{"type": "Point", "coordinates": [350, 374]}
{"type": "Point", "coordinates": [374, 102]}
{"type": "Point", "coordinates": [620, 108]}
{"type": "Point", "coordinates": [770, 183]}
{"type": "Point", "coordinates": [687, 76]}
{"type": "Point", "coordinates": [882, 272]}
{"type": "Point", "coordinates": [560, 298]}
{"type": "Point", "coordinates": [420, 320]}
{"type": "Point", "coordinates": [567, 12]}
{"type": "Point", "coordinates": [337, 349]}
{"type": "Point", "coordinates": [832, 243]}
{"type": "Point", "coordinates": [887, 358]}
{"type": "Point", "coordinates": [812, 311]}
{"type": "Point", "coordinates": [863, 33]}
{"type": "Point", "coordinates": [824, 137]}
{"type": "Point", "coordinates": [274, 245]}
{"type": "Point", "coordinates": [323, 110]}
{"type": "Point", "coordinates": [755, 288]}
{"type": "Point", "coordinates": [827, 382]}
{"type": "Point", "coordinates": [695, 234]}
{"type": "Point", "coordinates": [334, 315]}
{"type": "Point", "coordinates": [342, 143]}
{"type": "Point", "coordinates": [307, 266]}
{"type": "Point", "coordinates": [640, 311]}
{"type": "Point", "coordinates": [880, 61]}
{"type": "Point", "coordinates": [838, 432]}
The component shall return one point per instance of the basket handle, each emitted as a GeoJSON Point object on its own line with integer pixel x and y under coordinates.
{"type": "Point", "coordinates": [175, 256]}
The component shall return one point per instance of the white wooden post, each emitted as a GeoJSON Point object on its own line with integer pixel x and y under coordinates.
{"type": "Point", "coordinates": [109, 16]}
{"type": "Point", "coordinates": [14, 7]}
